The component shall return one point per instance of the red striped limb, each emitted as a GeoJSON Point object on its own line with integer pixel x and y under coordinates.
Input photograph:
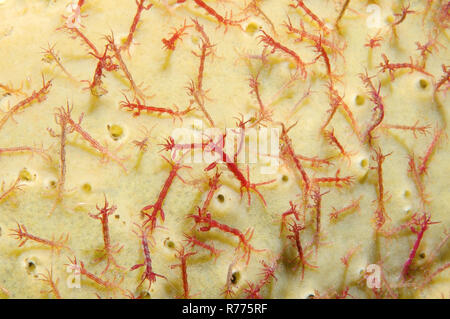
{"type": "Point", "coordinates": [422, 224]}
{"type": "Point", "coordinates": [380, 213]}
{"type": "Point", "coordinates": [416, 177]}
{"type": "Point", "coordinates": [332, 139]}
{"type": "Point", "coordinates": [287, 151]}
{"type": "Point", "coordinates": [415, 129]}
{"type": "Point", "coordinates": [148, 273]}
{"type": "Point", "coordinates": [137, 92]}
{"type": "Point", "coordinates": [24, 236]}
{"type": "Point", "coordinates": [53, 283]}
{"type": "Point", "coordinates": [80, 269]}
{"type": "Point", "coordinates": [312, 15]}
{"type": "Point", "coordinates": [64, 114]}
{"type": "Point", "coordinates": [253, 291]}
{"type": "Point", "coordinates": [295, 229]}
{"type": "Point", "coordinates": [232, 166]}
{"type": "Point", "coordinates": [401, 17]}
{"type": "Point", "coordinates": [108, 250]}
{"type": "Point", "coordinates": [334, 216]}
{"type": "Point", "coordinates": [15, 186]}
{"type": "Point", "coordinates": [392, 67]}
{"type": "Point", "coordinates": [445, 79]}
{"type": "Point", "coordinates": [244, 239]}
{"type": "Point", "coordinates": [183, 257]}
{"type": "Point", "coordinates": [140, 8]}
{"type": "Point", "coordinates": [376, 99]}
{"type": "Point", "coordinates": [315, 39]}
{"type": "Point", "coordinates": [195, 88]}
{"type": "Point", "coordinates": [337, 180]}
{"type": "Point", "coordinates": [37, 96]}
{"type": "Point", "coordinates": [138, 107]}
{"type": "Point", "coordinates": [226, 20]}
{"type": "Point", "coordinates": [337, 101]}
{"type": "Point", "coordinates": [193, 242]}
{"type": "Point", "coordinates": [291, 211]}
{"type": "Point", "coordinates": [177, 34]}
{"type": "Point", "coordinates": [277, 46]}
{"type": "Point", "coordinates": [423, 166]}
{"type": "Point", "coordinates": [157, 207]}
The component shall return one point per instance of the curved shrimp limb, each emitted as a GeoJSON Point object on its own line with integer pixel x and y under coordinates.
{"type": "Point", "coordinates": [108, 250]}
{"type": "Point", "coordinates": [148, 273]}
{"type": "Point", "coordinates": [252, 186]}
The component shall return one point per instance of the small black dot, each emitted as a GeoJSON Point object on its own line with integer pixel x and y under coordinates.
{"type": "Point", "coordinates": [221, 198]}
{"type": "Point", "coordinates": [31, 266]}
{"type": "Point", "coordinates": [235, 277]}
{"type": "Point", "coordinates": [284, 178]}
{"type": "Point", "coordinates": [117, 216]}
{"type": "Point", "coordinates": [310, 296]}
{"type": "Point", "coordinates": [422, 255]}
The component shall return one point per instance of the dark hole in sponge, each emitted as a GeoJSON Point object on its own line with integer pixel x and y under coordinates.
{"type": "Point", "coordinates": [31, 266]}
{"type": "Point", "coordinates": [169, 243]}
{"type": "Point", "coordinates": [116, 131]}
{"type": "Point", "coordinates": [235, 276]}
{"type": "Point", "coordinates": [220, 198]}
{"type": "Point", "coordinates": [423, 83]}
{"type": "Point", "coordinates": [86, 187]}
{"type": "Point", "coordinates": [359, 100]}
{"type": "Point", "coordinates": [144, 295]}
